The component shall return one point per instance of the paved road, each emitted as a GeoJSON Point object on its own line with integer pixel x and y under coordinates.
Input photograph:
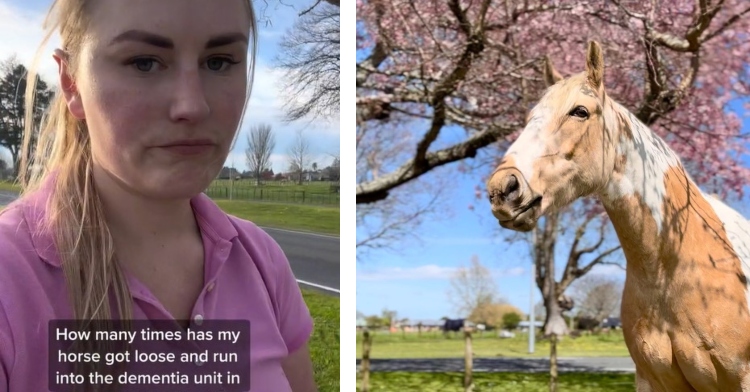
{"type": "Point", "coordinates": [533, 365]}
{"type": "Point", "coordinates": [7, 197]}
{"type": "Point", "coordinates": [314, 258]}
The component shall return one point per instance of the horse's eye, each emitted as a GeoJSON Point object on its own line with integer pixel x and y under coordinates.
{"type": "Point", "coordinates": [580, 111]}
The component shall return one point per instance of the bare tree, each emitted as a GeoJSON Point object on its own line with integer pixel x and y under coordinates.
{"type": "Point", "coordinates": [598, 296]}
{"type": "Point", "coordinates": [299, 155]}
{"type": "Point", "coordinates": [260, 145]}
{"type": "Point", "coordinates": [309, 57]}
{"type": "Point", "coordinates": [582, 255]}
{"type": "Point", "coordinates": [472, 287]}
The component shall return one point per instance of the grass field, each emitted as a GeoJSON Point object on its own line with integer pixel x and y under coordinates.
{"type": "Point", "coordinates": [312, 186]}
{"type": "Point", "coordinates": [324, 344]}
{"type": "Point", "coordinates": [315, 192]}
{"type": "Point", "coordinates": [434, 345]}
{"type": "Point", "coordinates": [8, 186]}
{"type": "Point", "coordinates": [286, 216]}
{"type": "Point", "coordinates": [320, 219]}
{"type": "Point", "coordinates": [500, 382]}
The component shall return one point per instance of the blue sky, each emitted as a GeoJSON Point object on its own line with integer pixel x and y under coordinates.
{"type": "Point", "coordinates": [414, 280]}
{"type": "Point", "coordinates": [22, 20]}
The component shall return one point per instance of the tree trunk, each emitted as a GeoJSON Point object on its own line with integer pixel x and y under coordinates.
{"type": "Point", "coordinates": [553, 363]}
{"type": "Point", "coordinates": [554, 323]}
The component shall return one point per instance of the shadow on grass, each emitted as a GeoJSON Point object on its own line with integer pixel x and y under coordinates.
{"type": "Point", "coordinates": [521, 365]}
{"type": "Point", "coordinates": [507, 382]}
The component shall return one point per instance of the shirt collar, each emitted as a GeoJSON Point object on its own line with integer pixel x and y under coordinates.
{"type": "Point", "coordinates": [212, 220]}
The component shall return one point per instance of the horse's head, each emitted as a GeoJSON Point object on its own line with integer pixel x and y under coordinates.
{"type": "Point", "coordinates": [564, 152]}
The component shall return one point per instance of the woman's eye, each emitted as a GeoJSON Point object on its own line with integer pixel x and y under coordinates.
{"type": "Point", "coordinates": [143, 61]}
{"type": "Point", "coordinates": [580, 111]}
{"type": "Point", "coordinates": [220, 61]}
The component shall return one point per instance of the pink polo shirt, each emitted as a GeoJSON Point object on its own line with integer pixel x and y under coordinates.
{"type": "Point", "coordinates": [247, 277]}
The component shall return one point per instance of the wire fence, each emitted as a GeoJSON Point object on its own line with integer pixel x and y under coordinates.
{"type": "Point", "coordinates": [273, 195]}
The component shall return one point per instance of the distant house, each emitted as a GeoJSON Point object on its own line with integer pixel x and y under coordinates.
{"type": "Point", "coordinates": [310, 175]}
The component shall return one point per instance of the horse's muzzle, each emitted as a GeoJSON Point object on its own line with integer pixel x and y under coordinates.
{"type": "Point", "coordinates": [515, 205]}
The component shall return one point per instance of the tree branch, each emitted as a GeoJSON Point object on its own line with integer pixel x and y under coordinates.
{"type": "Point", "coordinates": [726, 24]}
{"type": "Point", "coordinates": [474, 46]}
{"type": "Point", "coordinates": [375, 190]}
{"type": "Point", "coordinates": [597, 260]}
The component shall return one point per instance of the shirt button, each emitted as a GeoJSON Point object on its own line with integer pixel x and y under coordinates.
{"type": "Point", "coordinates": [198, 319]}
{"type": "Point", "coordinates": [198, 363]}
{"type": "Point", "coordinates": [211, 286]}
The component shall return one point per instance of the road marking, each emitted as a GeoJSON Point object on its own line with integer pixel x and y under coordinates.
{"type": "Point", "coordinates": [319, 286]}
{"type": "Point", "coordinates": [300, 232]}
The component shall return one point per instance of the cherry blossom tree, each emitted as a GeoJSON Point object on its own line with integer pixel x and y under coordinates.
{"type": "Point", "coordinates": [426, 67]}
{"type": "Point", "coordinates": [448, 83]}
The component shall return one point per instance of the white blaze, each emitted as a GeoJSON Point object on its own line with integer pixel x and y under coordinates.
{"type": "Point", "coordinates": [530, 146]}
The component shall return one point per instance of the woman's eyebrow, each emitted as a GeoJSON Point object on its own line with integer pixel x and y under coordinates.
{"type": "Point", "coordinates": [164, 42]}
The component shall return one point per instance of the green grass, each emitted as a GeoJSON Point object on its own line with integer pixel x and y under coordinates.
{"type": "Point", "coordinates": [9, 186]}
{"type": "Point", "coordinates": [434, 345]}
{"type": "Point", "coordinates": [319, 219]}
{"type": "Point", "coordinates": [505, 382]}
{"type": "Point", "coordinates": [286, 216]}
{"type": "Point", "coordinates": [324, 343]}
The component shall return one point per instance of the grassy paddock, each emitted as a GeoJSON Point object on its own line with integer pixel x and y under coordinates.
{"type": "Point", "coordinates": [324, 343]}
{"type": "Point", "coordinates": [312, 186]}
{"type": "Point", "coordinates": [505, 382]}
{"type": "Point", "coordinates": [315, 192]}
{"type": "Point", "coordinates": [286, 216]}
{"type": "Point", "coordinates": [435, 345]}
{"type": "Point", "coordinates": [325, 220]}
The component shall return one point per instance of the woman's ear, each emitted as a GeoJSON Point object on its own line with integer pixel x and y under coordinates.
{"type": "Point", "coordinates": [68, 86]}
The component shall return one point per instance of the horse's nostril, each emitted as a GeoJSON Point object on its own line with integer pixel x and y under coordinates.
{"type": "Point", "coordinates": [512, 184]}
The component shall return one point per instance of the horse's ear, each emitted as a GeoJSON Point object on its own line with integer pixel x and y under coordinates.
{"type": "Point", "coordinates": [551, 76]}
{"type": "Point", "coordinates": [595, 65]}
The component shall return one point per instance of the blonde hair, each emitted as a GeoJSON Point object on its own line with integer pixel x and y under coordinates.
{"type": "Point", "coordinates": [74, 211]}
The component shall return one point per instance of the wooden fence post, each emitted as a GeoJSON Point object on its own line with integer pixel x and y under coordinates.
{"type": "Point", "coordinates": [468, 363]}
{"type": "Point", "coordinates": [367, 344]}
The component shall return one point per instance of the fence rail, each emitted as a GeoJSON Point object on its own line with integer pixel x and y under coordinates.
{"type": "Point", "coordinates": [275, 195]}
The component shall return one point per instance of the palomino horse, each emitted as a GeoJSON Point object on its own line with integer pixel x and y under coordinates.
{"type": "Point", "coordinates": [685, 309]}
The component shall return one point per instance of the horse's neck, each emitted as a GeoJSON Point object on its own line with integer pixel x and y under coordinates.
{"type": "Point", "coordinates": [650, 197]}
{"type": "Point", "coordinates": [643, 162]}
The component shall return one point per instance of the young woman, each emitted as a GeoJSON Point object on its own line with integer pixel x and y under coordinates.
{"type": "Point", "coordinates": [112, 223]}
